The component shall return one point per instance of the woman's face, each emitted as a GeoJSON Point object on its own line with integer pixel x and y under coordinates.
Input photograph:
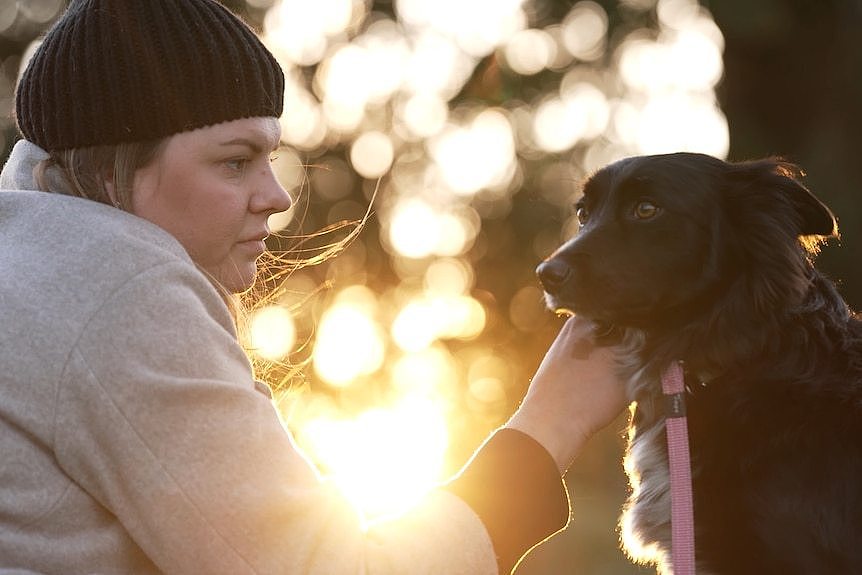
{"type": "Point", "coordinates": [213, 189]}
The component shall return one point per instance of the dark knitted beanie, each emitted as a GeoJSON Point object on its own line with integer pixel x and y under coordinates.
{"type": "Point", "coordinates": [113, 71]}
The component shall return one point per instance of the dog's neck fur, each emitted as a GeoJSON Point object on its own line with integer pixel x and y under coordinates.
{"type": "Point", "coordinates": [725, 338]}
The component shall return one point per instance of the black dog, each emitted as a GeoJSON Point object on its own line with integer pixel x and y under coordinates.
{"type": "Point", "coordinates": [687, 257]}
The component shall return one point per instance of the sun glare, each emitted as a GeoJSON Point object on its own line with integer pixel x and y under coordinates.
{"type": "Point", "coordinates": [273, 332]}
{"type": "Point", "coordinates": [349, 344]}
{"type": "Point", "coordinates": [383, 460]}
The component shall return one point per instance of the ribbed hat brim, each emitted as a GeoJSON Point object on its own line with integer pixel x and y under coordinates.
{"type": "Point", "coordinates": [112, 71]}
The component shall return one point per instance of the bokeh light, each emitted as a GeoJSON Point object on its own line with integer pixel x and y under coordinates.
{"type": "Point", "coordinates": [415, 229]}
{"type": "Point", "coordinates": [20, 22]}
{"type": "Point", "coordinates": [429, 372]}
{"type": "Point", "coordinates": [273, 332]}
{"type": "Point", "coordinates": [584, 30]}
{"type": "Point", "coordinates": [478, 26]}
{"type": "Point", "coordinates": [305, 27]}
{"type": "Point", "coordinates": [477, 155]}
{"type": "Point", "coordinates": [529, 52]}
{"type": "Point", "coordinates": [449, 276]}
{"type": "Point", "coordinates": [350, 342]}
{"type": "Point", "coordinates": [371, 154]}
{"type": "Point", "coordinates": [37, 11]}
{"type": "Point", "coordinates": [423, 115]}
{"type": "Point", "coordinates": [425, 320]}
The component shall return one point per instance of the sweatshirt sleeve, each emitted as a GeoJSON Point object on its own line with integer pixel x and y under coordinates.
{"type": "Point", "coordinates": [513, 485]}
{"type": "Point", "coordinates": [158, 419]}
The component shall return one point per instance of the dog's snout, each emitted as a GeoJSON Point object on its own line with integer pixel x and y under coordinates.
{"type": "Point", "coordinates": [553, 274]}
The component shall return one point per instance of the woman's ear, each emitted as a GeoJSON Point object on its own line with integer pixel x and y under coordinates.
{"type": "Point", "coordinates": [110, 189]}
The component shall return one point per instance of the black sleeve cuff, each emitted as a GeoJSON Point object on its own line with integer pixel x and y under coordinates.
{"type": "Point", "coordinates": [514, 486]}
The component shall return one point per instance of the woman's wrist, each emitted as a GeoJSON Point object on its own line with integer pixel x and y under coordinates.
{"type": "Point", "coordinates": [563, 444]}
{"type": "Point", "coordinates": [576, 391]}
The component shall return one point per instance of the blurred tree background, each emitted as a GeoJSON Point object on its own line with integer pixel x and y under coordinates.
{"type": "Point", "coordinates": [473, 122]}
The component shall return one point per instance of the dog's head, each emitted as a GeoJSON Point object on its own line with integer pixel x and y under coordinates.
{"type": "Point", "coordinates": [663, 238]}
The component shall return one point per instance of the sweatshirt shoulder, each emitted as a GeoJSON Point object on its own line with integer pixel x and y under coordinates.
{"type": "Point", "coordinates": [84, 228]}
{"type": "Point", "coordinates": [66, 260]}
{"type": "Point", "coordinates": [66, 256]}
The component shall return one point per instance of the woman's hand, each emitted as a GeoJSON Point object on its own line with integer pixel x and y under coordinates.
{"type": "Point", "coordinates": [574, 393]}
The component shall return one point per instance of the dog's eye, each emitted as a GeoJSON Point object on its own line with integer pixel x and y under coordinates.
{"type": "Point", "coordinates": [583, 214]}
{"type": "Point", "coordinates": [645, 210]}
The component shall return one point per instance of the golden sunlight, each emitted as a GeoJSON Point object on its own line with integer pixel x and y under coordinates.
{"type": "Point", "coordinates": [273, 332]}
{"type": "Point", "coordinates": [561, 122]}
{"type": "Point", "coordinates": [430, 372]}
{"type": "Point", "coordinates": [449, 276]}
{"type": "Point", "coordinates": [486, 141]}
{"type": "Point", "coordinates": [674, 77]}
{"type": "Point", "coordinates": [415, 229]}
{"type": "Point", "coordinates": [349, 344]}
{"type": "Point", "coordinates": [415, 327]}
{"type": "Point", "coordinates": [383, 460]}
{"type": "Point", "coordinates": [424, 320]}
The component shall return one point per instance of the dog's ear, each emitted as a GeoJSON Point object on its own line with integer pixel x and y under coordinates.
{"type": "Point", "coordinates": [776, 176]}
{"type": "Point", "coordinates": [816, 219]}
{"type": "Point", "coordinates": [777, 227]}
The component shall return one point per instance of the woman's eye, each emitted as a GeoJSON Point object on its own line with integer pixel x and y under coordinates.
{"type": "Point", "coordinates": [646, 210]}
{"type": "Point", "coordinates": [236, 164]}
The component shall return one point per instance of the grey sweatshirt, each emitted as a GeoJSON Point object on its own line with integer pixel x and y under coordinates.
{"type": "Point", "coordinates": [133, 440]}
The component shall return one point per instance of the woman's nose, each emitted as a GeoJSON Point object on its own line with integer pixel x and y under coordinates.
{"type": "Point", "coordinates": [271, 195]}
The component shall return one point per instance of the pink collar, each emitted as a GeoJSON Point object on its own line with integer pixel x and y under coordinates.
{"type": "Point", "coordinates": [682, 508]}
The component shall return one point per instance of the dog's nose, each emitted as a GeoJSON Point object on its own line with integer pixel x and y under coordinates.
{"type": "Point", "coordinates": [553, 274]}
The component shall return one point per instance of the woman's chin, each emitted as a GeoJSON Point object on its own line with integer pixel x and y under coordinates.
{"type": "Point", "coordinates": [237, 278]}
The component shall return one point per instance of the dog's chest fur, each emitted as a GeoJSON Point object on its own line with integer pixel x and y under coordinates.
{"type": "Point", "coordinates": [645, 523]}
{"type": "Point", "coordinates": [776, 463]}
{"type": "Point", "coordinates": [646, 520]}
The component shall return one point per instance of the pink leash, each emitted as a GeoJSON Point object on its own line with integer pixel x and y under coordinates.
{"type": "Point", "coordinates": [681, 506]}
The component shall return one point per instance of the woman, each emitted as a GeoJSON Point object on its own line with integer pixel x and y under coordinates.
{"type": "Point", "coordinates": [133, 436]}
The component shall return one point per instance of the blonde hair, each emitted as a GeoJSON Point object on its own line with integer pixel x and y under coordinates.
{"type": "Point", "coordinates": [87, 170]}
{"type": "Point", "coordinates": [287, 377]}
